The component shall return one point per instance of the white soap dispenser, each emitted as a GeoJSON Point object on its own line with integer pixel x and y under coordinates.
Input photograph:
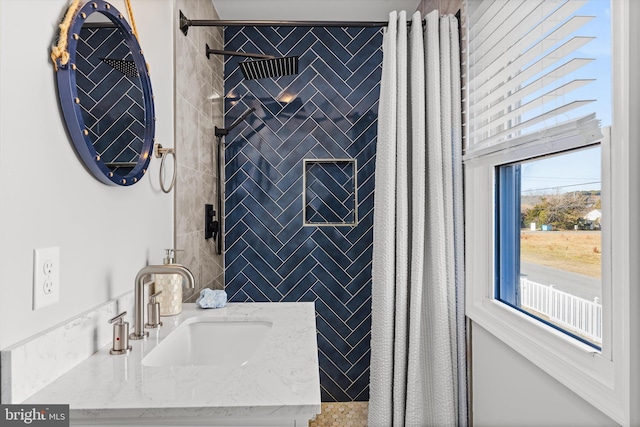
{"type": "Point", "coordinates": [170, 285]}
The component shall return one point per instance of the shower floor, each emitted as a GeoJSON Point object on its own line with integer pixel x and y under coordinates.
{"type": "Point", "coordinates": [342, 414]}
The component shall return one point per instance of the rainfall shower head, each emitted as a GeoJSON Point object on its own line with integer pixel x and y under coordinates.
{"type": "Point", "coordinates": [269, 68]}
{"type": "Point", "coordinates": [265, 66]}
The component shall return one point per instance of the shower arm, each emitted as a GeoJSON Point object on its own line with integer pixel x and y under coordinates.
{"type": "Point", "coordinates": [225, 131]}
{"type": "Point", "coordinates": [233, 53]}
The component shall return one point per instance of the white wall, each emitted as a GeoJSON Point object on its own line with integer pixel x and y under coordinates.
{"type": "Point", "coordinates": [508, 390]}
{"type": "Point", "coordinates": [47, 198]}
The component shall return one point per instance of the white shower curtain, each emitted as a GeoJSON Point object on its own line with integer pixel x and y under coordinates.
{"type": "Point", "coordinates": [418, 362]}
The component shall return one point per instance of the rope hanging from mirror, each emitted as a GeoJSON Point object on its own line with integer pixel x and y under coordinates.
{"type": "Point", "coordinates": [127, 4]}
{"type": "Point", "coordinates": [133, 22]}
{"type": "Point", "coordinates": [59, 50]}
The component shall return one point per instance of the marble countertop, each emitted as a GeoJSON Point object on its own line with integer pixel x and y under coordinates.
{"type": "Point", "coordinates": [282, 380]}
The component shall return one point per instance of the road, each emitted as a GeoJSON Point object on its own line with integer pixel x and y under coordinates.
{"type": "Point", "coordinates": [576, 284]}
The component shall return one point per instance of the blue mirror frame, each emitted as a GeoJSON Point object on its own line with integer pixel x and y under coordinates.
{"type": "Point", "coordinates": [70, 101]}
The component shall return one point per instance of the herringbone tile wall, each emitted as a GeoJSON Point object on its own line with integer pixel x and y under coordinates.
{"type": "Point", "coordinates": [328, 111]}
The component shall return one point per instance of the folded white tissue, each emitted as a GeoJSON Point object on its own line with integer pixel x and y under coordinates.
{"type": "Point", "coordinates": [212, 298]}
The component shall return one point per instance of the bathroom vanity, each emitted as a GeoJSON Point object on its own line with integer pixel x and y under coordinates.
{"type": "Point", "coordinates": [247, 364]}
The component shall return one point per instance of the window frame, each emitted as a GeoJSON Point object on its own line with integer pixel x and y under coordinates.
{"type": "Point", "coordinates": [507, 226]}
{"type": "Point", "coordinates": [508, 207]}
{"type": "Point", "coordinates": [581, 367]}
{"type": "Point", "coordinates": [610, 379]}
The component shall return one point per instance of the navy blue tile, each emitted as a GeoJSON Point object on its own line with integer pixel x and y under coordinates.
{"type": "Point", "coordinates": [261, 217]}
{"type": "Point", "coordinates": [369, 100]}
{"type": "Point", "coordinates": [361, 367]}
{"type": "Point", "coordinates": [328, 366]}
{"type": "Point", "coordinates": [291, 215]}
{"type": "Point", "coordinates": [291, 186]}
{"type": "Point", "coordinates": [362, 383]}
{"type": "Point", "coordinates": [271, 256]}
{"type": "Point", "coordinates": [330, 112]}
{"type": "Point", "coordinates": [234, 269]}
{"type": "Point", "coordinates": [361, 280]}
{"type": "Point", "coordinates": [369, 57]}
{"type": "Point", "coordinates": [331, 247]}
{"type": "Point", "coordinates": [335, 262]}
{"type": "Point", "coordinates": [291, 243]}
{"type": "Point", "coordinates": [303, 48]}
{"type": "Point", "coordinates": [363, 39]}
{"type": "Point", "coordinates": [338, 49]}
{"type": "Point", "coordinates": [359, 297]}
{"type": "Point", "coordinates": [298, 263]}
{"type": "Point", "coordinates": [330, 391]}
{"type": "Point", "coordinates": [331, 95]}
{"type": "Point", "coordinates": [267, 238]}
{"type": "Point", "coordinates": [331, 342]}
{"type": "Point", "coordinates": [263, 178]}
{"type": "Point", "coordinates": [359, 350]}
{"type": "Point", "coordinates": [260, 195]}
{"type": "Point", "coordinates": [341, 34]}
{"type": "Point", "coordinates": [362, 314]}
{"type": "Point", "coordinates": [293, 288]}
{"type": "Point", "coordinates": [296, 130]}
{"type": "Point", "coordinates": [329, 57]}
{"type": "Point", "coordinates": [235, 249]}
{"type": "Point", "coordinates": [363, 124]}
{"type": "Point", "coordinates": [294, 156]}
{"type": "Point", "coordinates": [234, 289]}
{"type": "Point", "coordinates": [258, 293]}
{"type": "Point", "coordinates": [296, 41]}
{"type": "Point", "coordinates": [354, 31]}
{"type": "Point", "coordinates": [261, 258]}
{"type": "Point", "coordinates": [331, 311]}
{"type": "Point", "coordinates": [330, 76]}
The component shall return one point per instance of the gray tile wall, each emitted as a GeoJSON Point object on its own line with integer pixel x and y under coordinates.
{"type": "Point", "coordinates": [198, 108]}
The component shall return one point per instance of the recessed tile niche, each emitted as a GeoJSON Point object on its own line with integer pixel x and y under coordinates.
{"type": "Point", "coordinates": [330, 192]}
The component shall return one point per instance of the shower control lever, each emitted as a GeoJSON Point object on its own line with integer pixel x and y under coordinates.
{"type": "Point", "coordinates": [211, 226]}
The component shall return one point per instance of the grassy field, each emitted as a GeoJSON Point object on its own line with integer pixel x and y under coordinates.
{"type": "Point", "coordinates": [576, 251]}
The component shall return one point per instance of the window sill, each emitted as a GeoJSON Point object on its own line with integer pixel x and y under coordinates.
{"type": "Point", "coordinates": [579, 367]}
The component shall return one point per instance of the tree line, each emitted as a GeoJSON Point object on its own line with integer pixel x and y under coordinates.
{"type": "Point", "coordinates": [562, 211]}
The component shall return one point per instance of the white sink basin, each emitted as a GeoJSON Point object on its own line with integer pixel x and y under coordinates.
{"type": "Point", "coordinates": [200, 341]}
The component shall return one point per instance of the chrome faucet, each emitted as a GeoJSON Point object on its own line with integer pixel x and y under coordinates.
{"type": "Point", "coordinates": [187, 281]}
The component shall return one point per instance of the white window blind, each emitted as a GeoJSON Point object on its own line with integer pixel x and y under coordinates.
{"type": "Point", "coordinates": [523, 69]}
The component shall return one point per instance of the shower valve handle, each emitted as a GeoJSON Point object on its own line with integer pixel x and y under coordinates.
{"type": "Point", "coordinates": [211, 226]}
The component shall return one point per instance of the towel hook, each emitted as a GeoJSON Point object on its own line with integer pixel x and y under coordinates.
{"type": "Point", "coordinates": [162, 153]}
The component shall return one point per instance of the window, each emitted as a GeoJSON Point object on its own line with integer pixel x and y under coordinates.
{"type": "Point", "coordinates": [549, 243]}
{"type": "Point", "coordinates": [513, 61]}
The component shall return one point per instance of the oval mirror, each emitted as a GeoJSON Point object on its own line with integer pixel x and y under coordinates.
{"type": "Point", "coordinates": [105, 95]}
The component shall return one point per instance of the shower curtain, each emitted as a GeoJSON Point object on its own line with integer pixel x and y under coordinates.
{"type": "Point", "coordinates": [418, 363]}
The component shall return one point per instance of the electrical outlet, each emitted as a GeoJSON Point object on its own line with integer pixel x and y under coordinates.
{"type": "Point", "coordinates": [46, 276]}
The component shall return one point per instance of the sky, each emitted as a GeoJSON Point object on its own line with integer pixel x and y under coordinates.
{"type": "Point", "coordinates": [575, 171]}
{"type": "Point", "coordinates": [580, 170]}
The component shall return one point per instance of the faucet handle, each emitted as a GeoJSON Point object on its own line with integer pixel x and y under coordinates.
{"type": "Point", "coordinates": [120, 335]}
{"type": "Point", "coordinates": [153, 312]}
{"type": "Point", "coordinates": [119, 318]}
{"type": "Point", "coordinates": [152, 297]}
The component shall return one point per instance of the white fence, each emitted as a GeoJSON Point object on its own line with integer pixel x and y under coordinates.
{"type": "Point", "coordinates": [578, 315]}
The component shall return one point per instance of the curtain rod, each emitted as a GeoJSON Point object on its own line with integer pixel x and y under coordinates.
{"type": "Point", "coordinates": [185, 23]}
